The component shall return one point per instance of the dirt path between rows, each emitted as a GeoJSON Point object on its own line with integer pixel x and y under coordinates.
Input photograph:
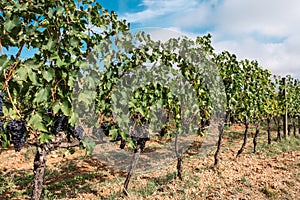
{"type": "Point", "coordinates": [250, 176]}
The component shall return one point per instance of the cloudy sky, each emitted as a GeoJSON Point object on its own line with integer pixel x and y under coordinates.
{"type": "Point", "coordinates": [263, 30]}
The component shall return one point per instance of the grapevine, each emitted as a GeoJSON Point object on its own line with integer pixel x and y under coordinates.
{"type": "Point", "coordinates": [37, 97]}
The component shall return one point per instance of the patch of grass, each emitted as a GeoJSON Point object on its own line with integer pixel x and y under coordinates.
{"type": "Point", "coordinates": [29, 153]}
{"type": "Point", "coordinates": [154, 184]}
{"type": "Point", "coordinates": [283, 147]}
{"type": "Point", "coordinates": [181, 191]}
{"type": "Point", "coordinates": [6, 184]}
{"type": "Point", "coordinates": [276, 147]}
{"type": "Point", "coordinates": [24, 180]}
{"type": "Point", "coordinates": [67, 166]}
{"type": "Point", "coordinates": [15, 184]}
{"type": "Point", "coordinates": [262, 147]}
{"type": "Point", "coordinates": [190, 180]}
{"type": "Point", "coordinates": [71, 181]}
{"type": "Point", "coordinates": [145, 190]}
{"type": "Point", "coordinates": [68, 187]}
{"type": "Point", "coordinates": [113, 196]}
{"type": "Point", "coordinates": [48, 195]}
{"type": "Point", "coordinates": [211, 192]}
{"type": "Point", "coordinates": [245, 181]}
{"type": "Point", "coordinates": [269, 192]}
{"type": "Point", "coordinates": [234, 135]}
{"type": "Point", "coordinates": [226, 127]}
{"type": "Point", "coordinates": [290, 144]}
{"type": "Point", "coordinates": [165, 179]}
{"type": "Point", "coordinates": [51, 173]}
{"type": "Point", "coordinates": [160, 184]}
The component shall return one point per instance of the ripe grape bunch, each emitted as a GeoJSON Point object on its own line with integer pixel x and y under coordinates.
{"type": "Point", "coordinates": [107, 126]}
{"type": "Point", "coordinates": [62, 124]}
{"type": "Point", "coordinates": [139, 135]}
{"type": "Point", "coordinates": [77, 132]}
{"type": "Point", "coordinates": [1, 102]}
{"type": "Point", "coordinates": [1, 112]}
{"type": "Point", "coordinates": [17, 129]}
{"type": "Point", "coordinates": [2, 129]}
{"type": "Point", "coordinates": [141, 142]}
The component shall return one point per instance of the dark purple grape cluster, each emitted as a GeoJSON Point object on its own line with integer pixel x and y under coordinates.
{"type": "Point", "coordinates": [62, 124]}
{"type": "Point", "coordinates": [140, 135]}
{"type": "Point", "coordinates": [1, 102]}
{"type": "Point", "coordinates": [77, 132]}
{"type": "Point", "coordinates": [17, 129]}
{"type": "Point", "coordinates": [163, 131]}
{"type": "Point", "coordinates": [105, 126]}
{"type": "Point", "coordinates": [141, 142]}
{"type": "Point", "coordinates": [123, 144]}
{"type": "Point", "coordinates": [2, 129]}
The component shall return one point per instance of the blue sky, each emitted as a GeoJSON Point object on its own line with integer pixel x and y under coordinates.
{"type": "Point", "coordinates": [264, 30]}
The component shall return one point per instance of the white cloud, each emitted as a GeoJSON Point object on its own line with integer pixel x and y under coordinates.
{"type": "Point", "coordinates": [264, 16]}
{"type": "Point", "coordinates": [158, 8]}
{"type": "Point", "coordinates": [264, 30]}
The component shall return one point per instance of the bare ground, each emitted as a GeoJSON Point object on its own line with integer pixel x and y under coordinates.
{"type": "Point", "coordinates": [272, 173]}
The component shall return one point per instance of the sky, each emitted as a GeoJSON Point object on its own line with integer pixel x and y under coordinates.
{"type": "Point", "coordinates": [264, 30]}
